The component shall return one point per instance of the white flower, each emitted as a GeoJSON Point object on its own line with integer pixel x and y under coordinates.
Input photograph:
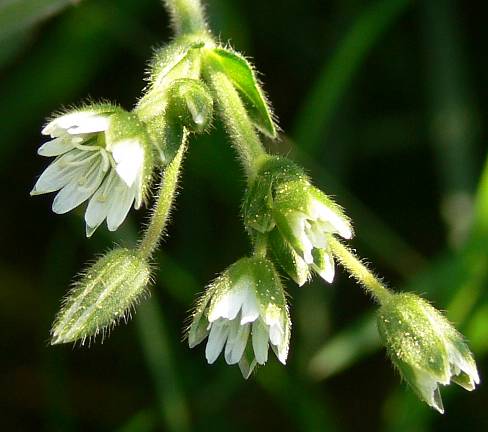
{"type": "Point", "coordinates": [242, 313]}
{"type": "Point", "coordinates": [306, 218]}
{"type": "Point", "coordinates": [101, 156]}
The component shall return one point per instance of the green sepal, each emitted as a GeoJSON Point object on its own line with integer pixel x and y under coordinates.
{"type": "Point", "coordinates": [102, 297]}
{"type": "Point", "coordinates": [176, 60]}
{"type": "Point", "coordinates": [243, 77]}
{"type": "Point", "coordinates": [284, 255]}
{"type": "Point", "coordinates": [259, 198]}
{"type": "Point", "coordinates": [410, 337]}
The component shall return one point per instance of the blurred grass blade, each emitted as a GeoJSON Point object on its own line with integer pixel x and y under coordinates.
{"type": "Point", "coordinates": [316, 113]}
{"type": "Point", "coordinates": [143, 421]}
{"type": "Point", "coordinates": [157, 351]}
{"type": "Point", "coordinates": [452, 114]}
{"type": "Point", "coordinates": [19, 15]}
{"type": "Point", "coordinates": [356, 341]}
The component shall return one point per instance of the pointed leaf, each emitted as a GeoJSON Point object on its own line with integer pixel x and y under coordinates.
{"type": "Point", "coordinates": [242, 75]}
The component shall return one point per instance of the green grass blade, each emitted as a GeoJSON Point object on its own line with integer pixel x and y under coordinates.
{"type": "Point", "coordinates": [314, 118]}
{"type": "Point", "coordinates": [19, 15]}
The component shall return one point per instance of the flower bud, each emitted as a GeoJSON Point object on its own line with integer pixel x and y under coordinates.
{"type": "Point", "coordinates": [190, 104]}
{"type": "Point", "coordinates": [104, 295]}
{"type": "Point", "coordinates": [243, 310]}
{"type": "Point", "coordinates": [425, 347]}
{"type": "Point", "coordinates": [103, 156]}
{"type": "Point", "coordinates": [299, 217]}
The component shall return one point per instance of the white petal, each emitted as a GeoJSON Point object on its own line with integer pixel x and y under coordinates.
{"type": "Point", "coordinates": [216, 340]}
{"type": "Point", "coordinates": [457, 360]}
{"type": "Point", "coordinates": [60, 172]}
{"type": "Point", "coordinates": [56, 147]}
{"type": "Point", "coordinates": [99, 205]}
{"type": "Point", "coordinates": [79, 189]}
{"type": "Point", "coordinates": [250, 307]}
{"type": "Point", "coordinates": [328, 215]}
{"type": "Point", "coordinates": [429, 389]}
{"type": "Point", "coordinates": [121, 199]}
{"type": "Point", "coordinates": [260, 341]}
{"type": "Point", "coordinates": [129, 159]}
{"type": "Point", "coordinates": [328, 271]}
{"type": "Point", "coordinates": [316, 235]}
{"type": "Point", "coordinates": [229, 304]}
{"type": "Point", "coordinates": [63, 123]}
{"type": "Point", "coordinates": [275, 334]}
{"type": "Point", "coordinates": [236, 342]}
{"type": "Point", "coordinates": [299, 227]}
{"type": "Point", "coordinates": [90, 124]}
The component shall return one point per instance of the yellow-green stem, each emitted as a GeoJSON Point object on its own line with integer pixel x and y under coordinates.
{"type": "Point", "coordinates": [260, 244]}
{"type": "Point", "coordinates": [187, 15]}
{"type": "Point", "coordinates": [164, 203]}
{"type": "Point", "coordinates": [357, 269]}
{"type": "Point", "coordinates": [234, 115]}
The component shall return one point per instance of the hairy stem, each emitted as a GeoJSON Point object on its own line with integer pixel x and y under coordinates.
{"type": "Point", "coordinates": [164, 203]}
{"type": "Point", "coordinates": [187, 16]}
{"type": "Point", "coordinates": [363, 275]}
{"type": "Point", "coordinates": [234, 115]}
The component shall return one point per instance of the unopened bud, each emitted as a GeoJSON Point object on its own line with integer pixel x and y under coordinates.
{"type": "Point", "coordinates": [425, 347]}
{"type": "Point", "coordinates": [104, 295]}
{"type": "Point", "coordinates": [190, 103]}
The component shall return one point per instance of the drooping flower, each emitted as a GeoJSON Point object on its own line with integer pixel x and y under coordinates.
{"type": "Point", "coordinates": [242, 313]}
{"type": "Point", "coordinates": [102, 155]}
{"type": "Point", "coordinates": [427, 350]}
{"type": "Point", "coordinates": [298, 217]}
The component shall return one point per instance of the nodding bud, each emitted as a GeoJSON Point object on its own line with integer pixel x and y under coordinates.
{"type": "Point", "coordinates": [300, 219]}
{"type": "Point", "coordinates": [104, 295]}
{"type": "Point", "coordinates": [190, 104]}
{"type": "Point", "coordinates": [425, 347]}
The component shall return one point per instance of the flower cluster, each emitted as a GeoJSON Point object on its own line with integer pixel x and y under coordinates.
{"type": "Point", "coordinates": [104, 156]}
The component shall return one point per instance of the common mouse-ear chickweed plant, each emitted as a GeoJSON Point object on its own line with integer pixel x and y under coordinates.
{"type": "Point", "coordinates": [108, 157]}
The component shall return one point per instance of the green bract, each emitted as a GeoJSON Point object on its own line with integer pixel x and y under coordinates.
{"type": "Point", "coordinates": [425, 347]}
{"type": "Point", "coordinates": [243, 77]}
{"type": "Point", "coordinates": [103, 296]}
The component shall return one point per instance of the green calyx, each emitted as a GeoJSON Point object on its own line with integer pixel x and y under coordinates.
{"type": "Point", "coordinates": [102, 297]}
{"type": "Point", "coordinates": [274, 173]}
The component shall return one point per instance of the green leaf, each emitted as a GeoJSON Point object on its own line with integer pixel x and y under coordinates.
{"type": "Point", "coordinates": [243, 77]}
{"type": "Point", "coordinates": [19, 15]}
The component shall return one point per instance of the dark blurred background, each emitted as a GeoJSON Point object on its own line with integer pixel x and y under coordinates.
{"type": "Point", "coordinates": [382, 101]}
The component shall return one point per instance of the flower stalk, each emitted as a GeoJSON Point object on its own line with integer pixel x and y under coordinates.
{"type": "Point", "coordinates": [187, 16]}
{"type": "Point", "coordinates": [357, 269]}
{"type": "Point", "coordinates": [239, 126]}
{"type": "Point", "coordinates": [162, 209]}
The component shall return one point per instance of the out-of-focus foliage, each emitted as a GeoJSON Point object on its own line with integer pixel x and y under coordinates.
{"type": "Point", "coordinates": [383, 102]}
